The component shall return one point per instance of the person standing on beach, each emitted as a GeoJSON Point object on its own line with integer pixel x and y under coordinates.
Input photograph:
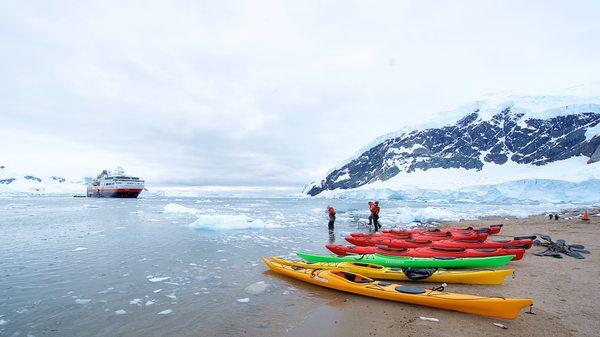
{"type": "Point", "coordinates": [375, 213]}
{"type": "Point", "coordinates": [371, 205]}
{"type": "Point", "coordinates": [331, 212]}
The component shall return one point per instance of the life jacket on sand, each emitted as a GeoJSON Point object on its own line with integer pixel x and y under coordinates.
{"type": "Point", "coordinates": [585, 216]}
{"type": "Point", "coordinates": [331, 211]}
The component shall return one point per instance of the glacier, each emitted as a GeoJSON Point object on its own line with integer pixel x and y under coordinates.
{"type": "Point", "coordinates": [501, 149]}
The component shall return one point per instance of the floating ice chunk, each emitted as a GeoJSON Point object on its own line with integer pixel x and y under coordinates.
{"type": "Point", "coordinates": [79, 249]}
{"type": "Point", "coordinates": [172, 296]}
{"type": "Point", "coordinates": [158, 279]}
{"type": "Point", "coordinates": [224, 222]}
{"type": "Point", "coordinates": [243, 300]}
{"type": "Point", "coordinates": [3, 322]}
{"type": "Point", "coordinates": [157, 291]}
{"type": "Point", "coordinates": [83, 300]}
{"type": "Point", "coordinates": [220, 250]}
{"type": "Point", "coordinates": [179, 209]}
{"type": "Point", "coordinates": [149, 303]}
{"type": "Point", "coordinates": [120, 312]}
{"type": "Point", "coordinates": [165, 312]}
{"type": "Point", "coordinates": [135, 301]}
{"type": "Point", "coordinates": [257, 288]}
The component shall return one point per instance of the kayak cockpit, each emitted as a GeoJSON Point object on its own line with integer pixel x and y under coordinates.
{"type": "Point", "coordinates": [354, 278]}
{"type": "Point", "coordinates": [367, 265]}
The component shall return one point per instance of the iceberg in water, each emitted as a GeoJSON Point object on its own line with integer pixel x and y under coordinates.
{"type": "Point", "coordinates": [223, 221]}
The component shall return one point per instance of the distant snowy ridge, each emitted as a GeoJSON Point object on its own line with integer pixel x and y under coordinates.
{"type": "Point", "coordinates": [12, 182]}
{"type": "Point", "coordinates": [497, 140]}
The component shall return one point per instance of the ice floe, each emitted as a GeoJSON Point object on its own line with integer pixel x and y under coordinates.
{"type": "Point", "coordinates": [243, 300]}
{"type": "Point", "coordinates": [83, 300]}
{"type": "Point", "coordinates": [158, 279]}
{"type": "Point", "coordinates": [120, 312]}
{"type": "Point", "coordinates": [135, 301]}
{"type": "Point", "coordinates": [78, 249]}
{"type": "Point", "coordinates": [179, 209]}
{"type": "Point", "coordinates": [257, 288]}
{"type": "Point", "coordinates": [224, 222]}
{"type": "Point", "coordinates": [165, 312]}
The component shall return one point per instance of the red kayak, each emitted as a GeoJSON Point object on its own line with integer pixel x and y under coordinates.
{"type": "Point", "coordinates": [433, 236]}
{"type": "Point", "coordinates": [518, 242]}
{"type": "Point", "coordinates": [388, 241]}
{"type": "Point", "coordinates": [473, 235]}
{"type": "Point", "coordinates": [493, 229]}
{"type": "Point", "coordinates": [426, 252]}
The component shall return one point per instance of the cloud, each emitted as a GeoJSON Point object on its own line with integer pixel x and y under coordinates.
{"type": "Point", "coordinates": [262, 92]}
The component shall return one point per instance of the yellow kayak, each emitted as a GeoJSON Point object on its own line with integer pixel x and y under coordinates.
{"type": "Point", "coordinates": [358, 284]}
{"type": "Point", "coordinates": [399, 274]}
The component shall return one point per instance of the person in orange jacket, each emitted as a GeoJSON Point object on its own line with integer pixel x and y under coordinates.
{"type": "Point", "coordinates": [331, 212]}
{"type": "Point", "coordinates": [375, 212]}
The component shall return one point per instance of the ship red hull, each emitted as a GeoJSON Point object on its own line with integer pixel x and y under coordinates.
{"type": "Point", "coordinates": [114, 193]}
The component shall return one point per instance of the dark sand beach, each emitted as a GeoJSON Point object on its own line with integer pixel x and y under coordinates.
{"type": "Point", "coordinates": [565, 293]}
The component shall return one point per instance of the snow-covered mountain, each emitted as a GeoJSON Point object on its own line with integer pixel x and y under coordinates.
{"type": "Point", "coordinates": [14, 182]}
{"type": "Point", "coordinates": [497, 141]}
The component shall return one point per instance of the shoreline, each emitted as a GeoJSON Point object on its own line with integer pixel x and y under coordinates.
{"type": "Point", "coordinates": [566, 299]}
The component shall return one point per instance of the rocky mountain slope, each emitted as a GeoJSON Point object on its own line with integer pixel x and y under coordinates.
{"type": "Point", "coordinates": [488, 136]}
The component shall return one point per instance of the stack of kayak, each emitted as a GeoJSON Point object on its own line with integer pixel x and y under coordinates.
{"type": "Point", "coordinates": [447, 255]}
{"type": "Point", "coordinates": [454, 242]}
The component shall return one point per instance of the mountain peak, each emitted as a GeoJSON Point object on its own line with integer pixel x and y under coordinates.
{"type": "Point", "coordinates": [532, 131]}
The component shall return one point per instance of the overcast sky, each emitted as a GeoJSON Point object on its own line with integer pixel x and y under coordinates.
{"type": "Point", "coordinates": [262, 93]}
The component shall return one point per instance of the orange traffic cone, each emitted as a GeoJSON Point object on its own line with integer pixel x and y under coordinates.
{"type": "Point", "coordinates": [585, 216]}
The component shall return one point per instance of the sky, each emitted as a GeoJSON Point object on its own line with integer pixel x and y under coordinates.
{"type": "Point", "coordinates": [262, 93]}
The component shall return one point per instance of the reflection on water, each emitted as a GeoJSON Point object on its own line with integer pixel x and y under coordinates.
{"type": "Point", "coordinates": [331, 236]}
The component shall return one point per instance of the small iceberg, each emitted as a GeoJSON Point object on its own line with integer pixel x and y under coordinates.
{"type": "Point", "coordinates": [257, 288]}
{"type": "Point", "coordinates": [227, 222]}
{"type": "Point", "coordinates": [179, 209]}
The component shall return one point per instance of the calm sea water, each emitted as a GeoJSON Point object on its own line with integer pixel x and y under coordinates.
{"type": "Point", "coordinates": [115, 267]}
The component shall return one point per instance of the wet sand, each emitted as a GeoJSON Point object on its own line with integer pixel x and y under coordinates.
{"type": "Point", "coordinates": [565, 291]}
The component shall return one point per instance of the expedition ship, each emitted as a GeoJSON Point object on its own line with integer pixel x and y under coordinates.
{"type": "Point", "coordinates": [116, 184]}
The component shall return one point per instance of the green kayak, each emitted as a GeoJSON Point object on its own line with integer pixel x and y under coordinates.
{"type": "Point", "coordinates": [407, 261]}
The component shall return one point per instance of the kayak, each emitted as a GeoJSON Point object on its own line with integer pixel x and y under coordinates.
{"type": "Point", "coordinates": [398, 243]}
{"type": "Point", "coordinates": [518, 242]}
{"type": "Point", "coordinates": [499, 307]}
{"type": "Point", "coordinates": [426, 251]}
{"type": "Point", "coordinates": [493, 229]}
{"type": "Point", "coordinates": [425, 236]}
{"type": "Point", "coordinates": [428, 235]}
{"type": "Point", "coordinates": [524, 242]}
{"type": "Point", "coordinates": [408, 274]}
{"type": "Point", "coordinates": [407, 261]}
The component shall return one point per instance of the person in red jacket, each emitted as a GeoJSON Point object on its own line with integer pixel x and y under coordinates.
{"type": "Point", "coordinates": [331, 212]}
{"type": "Point", "coordinates": [375, 213]}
